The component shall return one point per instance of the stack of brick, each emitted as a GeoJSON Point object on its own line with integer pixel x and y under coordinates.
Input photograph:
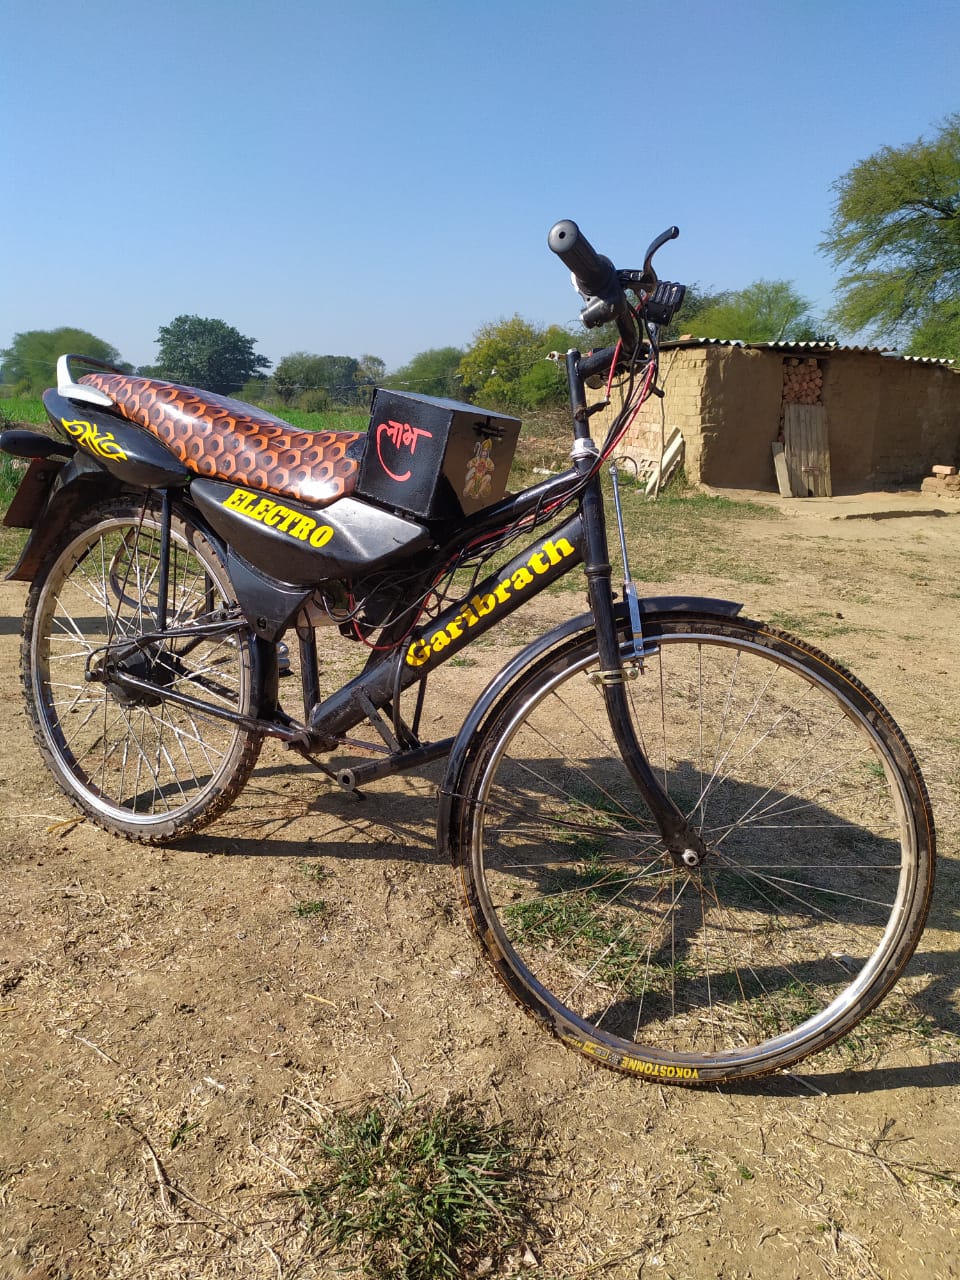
{"type": "Point", "coordinates": [802, 381]}
{"type": "Point", "coordinates": [944, 482]}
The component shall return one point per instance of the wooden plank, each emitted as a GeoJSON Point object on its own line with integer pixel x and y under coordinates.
{"type": "Point", "coordinates": [807, 450]}
{"type": "Point", "coordinates": [672, 456]}
{"type": "Point", "coordinates": [782, 470]}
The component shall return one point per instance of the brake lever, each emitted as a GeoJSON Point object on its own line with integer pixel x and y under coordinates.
{"type": "Point", "coordinates": [671, 233]}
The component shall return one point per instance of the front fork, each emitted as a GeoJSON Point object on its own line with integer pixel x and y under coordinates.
{"type": "Point", "coordinates": [681, 841]}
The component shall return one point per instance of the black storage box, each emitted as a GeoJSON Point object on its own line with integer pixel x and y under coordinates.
{"type": "Point", "coordinates": [435, 459]}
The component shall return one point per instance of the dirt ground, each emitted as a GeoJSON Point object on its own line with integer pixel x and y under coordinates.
{"type": "Point", "coordinates": [170, 1024]}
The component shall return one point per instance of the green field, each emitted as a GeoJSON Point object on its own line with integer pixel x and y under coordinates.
{"type": "Point", "coordinates": [30, 409]}
{"type": "Point", "coordinates": [679, 533]}
{"type": "Point", "coordinates": [15, 411]}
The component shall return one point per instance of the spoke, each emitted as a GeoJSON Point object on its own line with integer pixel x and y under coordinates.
{"type": "Point", "coordinates": [706, 964]}
{"type": "Point", "coordinates": [786, 772]}
{"type": "Point", "coordinates": [817, 866]}
{"type": "Point", "coordinates": [825, 888]}
{"type": "Point", "coordinates": [751, 1012]}
{"type": "Point", "coordinates": [719, 761]}
{"type": "Point", "coordinates": [579, 769]}
{"type": "Point", "coordinates": [777, 763]}
{"type": "Point", "coordinates": [753, 882]}
{"type": "Point", "coordinates": [122, 752]}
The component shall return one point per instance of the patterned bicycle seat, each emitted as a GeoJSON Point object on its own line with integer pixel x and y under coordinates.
{"type": "Point", "coordinates": [224, 439]}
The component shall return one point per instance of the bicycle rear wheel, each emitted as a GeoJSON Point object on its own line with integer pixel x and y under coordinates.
{"type": "Point", "coordinates": [139, 765]}
{"type": "Point", "coordinates": [810, 900]}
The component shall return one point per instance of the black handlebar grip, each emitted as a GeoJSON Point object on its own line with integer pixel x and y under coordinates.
{"type": "Point", "coordinates": [595, 275]}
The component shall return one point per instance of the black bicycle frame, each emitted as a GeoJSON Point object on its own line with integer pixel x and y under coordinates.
{"type": "Point", "coordinates": [581, 539]}
{"type": "Point", "coordinates": [413, 653]}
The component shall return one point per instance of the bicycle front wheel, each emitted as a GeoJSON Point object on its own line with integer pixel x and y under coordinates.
{"type": "Point", "coordinates": [139, 764]}
{"type": "Point", "coordinates": [806, 908]}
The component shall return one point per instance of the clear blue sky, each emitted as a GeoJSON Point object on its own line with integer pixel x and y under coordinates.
{"type": "Point", "coordinates": [380, 177]}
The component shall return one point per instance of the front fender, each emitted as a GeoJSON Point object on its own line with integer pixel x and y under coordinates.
{"type": "Point", "coordinates": [584, 622]}
{"type": "Point", "coordinates": [533, 653]}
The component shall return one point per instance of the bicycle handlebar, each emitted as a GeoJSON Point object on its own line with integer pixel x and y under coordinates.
{"type": "Point", "coordinates": [596, 276]}
{"type": "Point", "coordinates": [602, 285]}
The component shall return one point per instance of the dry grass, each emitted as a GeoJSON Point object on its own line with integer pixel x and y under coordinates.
{"type": "Point", "coordinates": [174, 1032]}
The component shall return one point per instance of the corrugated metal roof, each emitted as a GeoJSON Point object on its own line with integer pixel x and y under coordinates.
{"type": "Point", "coordinates": [775, 346]}
{"type": "Point", "coordinates": [804, 348]}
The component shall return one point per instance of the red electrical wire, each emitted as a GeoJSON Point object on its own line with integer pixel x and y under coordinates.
{"type": "Point", "coordinates": [532, 517]}
{"type": "Point", "coordinates": [613, 367]}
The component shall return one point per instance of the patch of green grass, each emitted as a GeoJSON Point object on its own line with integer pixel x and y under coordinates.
{"type": "Point", "coordinates": [29, 409]}
{"type": "Point", "coordinates": [22, 409]}
{"type": "Point", "coordinates": [741, 571]}
{"type": "Point", "coordinates": [404, 1191]}
{"type": "Point", "coordinates": [779, 1011]}
{"type": "Point", "coordinates": [181, 1133]}
{"type": "Point", "coordinates": [897, 1018]}
{"type": "Point", "coordinates": [11, 544]}
{"type": "Point", "coordinates": [14, 412]}
{"type": "Point", "coordinates": [330, 421]}
{"type": "Point", "coordinates": [814, 624]}
{"type": "Point", "coordinates": [683, 532]}
{"type": "Point", "coordinates": [11, 469]}
{"type": "Point", "coordinates": [594, 938]}
{"type": "Point", "coordinates": [315, 908]}
{"type": "Point", "coordinates": [313, 871]}
{"type": "Point", "coordinates": [680, 532]}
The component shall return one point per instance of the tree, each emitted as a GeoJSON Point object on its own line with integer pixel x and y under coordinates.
{"type": "Point", "coordinates": [896, 233]}
{"type": "Point", "coordinates": [207, 353]}
{"type": "Point", "coordinates": [505, 366]}
{"type": "Point", "coordinates": [938, 334]}
{"type": "Point", "coordinates": [371, 372]}
{"type": "Point", "coordinates": [430, 373]}
{"type": "Point", "coordinates": [696, 300]}
{"type": "Point", "coordinates": [765, 311]}
{"type": "Point", "coordinates": [30, 362]}
{"type": "Point", "coordinates": [303, 374]}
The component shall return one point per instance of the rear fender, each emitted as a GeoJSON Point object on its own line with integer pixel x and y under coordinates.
{"type": "Point", "coordinates": [46, 457]}
{"type": "Point", "coordinates": [127, 451]}
{"type": "Point", "coordinates": [54, 493]}
{"type": "Point", "coordinates": [34, 444]}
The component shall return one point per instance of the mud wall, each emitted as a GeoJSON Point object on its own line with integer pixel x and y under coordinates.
{"type": "Point", "coordinates": [889, 420]}
{"type": "Point", "coordinates": [741, 416]}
